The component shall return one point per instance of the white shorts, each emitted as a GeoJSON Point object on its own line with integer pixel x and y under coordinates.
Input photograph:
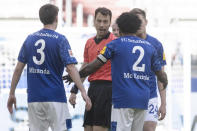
{"type": "Point", "coordinates": [127, 119]}
{"type": "Point", "coordinates": [43, 115]}
{"type": "Point", "coordinates": [151, 113]}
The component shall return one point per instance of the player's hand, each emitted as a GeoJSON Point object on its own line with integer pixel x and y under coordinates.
{"type": "Point", "coordinates": [72, 99]}
{"type": "Point", "coordinates": [162, 112]}
{"type": "Point", "coordinates": [11, 101]}
{"type": "Point", "coordinates": [87, 100]}
{"type": "Point", "coordinates": [67, 79]}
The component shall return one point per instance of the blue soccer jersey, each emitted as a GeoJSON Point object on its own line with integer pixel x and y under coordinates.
{"type": "Point", "coordinates": [46, 53]}
{"type": "Point", "coordinates": [159, 48]}
{"type": "Point", "coordinates": [132, 61]}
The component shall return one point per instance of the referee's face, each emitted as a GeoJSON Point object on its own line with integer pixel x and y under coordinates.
{"type": "Point", "coordinates": [102, 24]}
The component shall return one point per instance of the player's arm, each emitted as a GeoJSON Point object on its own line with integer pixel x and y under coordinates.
{"type": "Point", "coordinates": [86, 70]}
{"type": "Point", "coordinates": [162, 92]}
{"type": "Point", "coordinates": [93, 66]}
{"type": "Point", "coordinates": [84, 64]}
{"type": "Point", "coordinates": [159, 71]}
{"type": "Point", "coordinates": [15, 78]}
{"type": "Point", "coordinates": [74, 89]}
{"type": "Point", "coordinates": [74, 74]}
{"type": "Point", "coordinates": [67, 78]}
{"type": "Point", "coordinates": [162, 77]}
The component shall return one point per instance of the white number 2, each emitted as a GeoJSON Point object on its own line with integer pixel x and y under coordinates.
{"type": "Point", "coordinates": [40, 51]}
{"type": "Point", "coordinates": [135, 65]}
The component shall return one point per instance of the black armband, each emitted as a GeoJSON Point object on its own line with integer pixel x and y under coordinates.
{"type": "Point", "coordinates": [74, 89]}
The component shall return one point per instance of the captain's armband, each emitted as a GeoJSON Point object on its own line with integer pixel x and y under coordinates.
{"type": "Point", "coordinates": [101, 58]}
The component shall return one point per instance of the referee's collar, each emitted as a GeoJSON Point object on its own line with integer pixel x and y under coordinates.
{"type": "Point", "coordinates": [98, 40]}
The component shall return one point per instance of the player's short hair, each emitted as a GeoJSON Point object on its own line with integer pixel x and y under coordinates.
{"type": "Point", "coordinates": [48, 13]}
{"type": "Point", "coordinates": [138, 11]}
{"type": "Point", "coordinates": [128, 22]}
{"type": "Point", "coordinates": [103, 11]}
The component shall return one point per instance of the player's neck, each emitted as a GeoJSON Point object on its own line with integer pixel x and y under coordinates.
{"type": "Point", "coordinates": [50, 27]}
{"type": "Point", "coordinates": [128, 34]}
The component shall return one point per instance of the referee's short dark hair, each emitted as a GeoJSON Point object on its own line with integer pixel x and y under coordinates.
{"type": "Point", "coordinates": [128, 22]}
{"type": "Point", "coordinates": [104, 11]}
{"type": "Point", "coordinates": [48, 13]}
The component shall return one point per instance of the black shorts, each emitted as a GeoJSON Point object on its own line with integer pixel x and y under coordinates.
{"type": "Point", "coordinates": [100, 93]}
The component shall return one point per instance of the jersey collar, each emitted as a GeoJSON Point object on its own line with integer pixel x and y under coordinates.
{"type": "Point", "coordinates": [98, 40]}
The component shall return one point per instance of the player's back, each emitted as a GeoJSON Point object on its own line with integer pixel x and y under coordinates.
{"type": "Point", "coordinates": [44, 51]}
{"type": "Point", "coordinates": [132, 62]}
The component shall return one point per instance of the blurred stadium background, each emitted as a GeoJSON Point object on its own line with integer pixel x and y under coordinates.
{"type": "Point", "coordinates": [173, 22]}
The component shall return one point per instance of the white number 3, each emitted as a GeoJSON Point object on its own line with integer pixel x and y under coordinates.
{"type": "Point", "coordinates": [40, 51]}
{"type": "Point", "coordinates": [135, 65]}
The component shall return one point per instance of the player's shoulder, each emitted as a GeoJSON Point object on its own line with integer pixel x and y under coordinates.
{"type": "Point", "coordinates": [62, 39]}
{"type": "Point", "coordinates": [141, 41]}
{"type": "Point", "coordinates": [29, 37]}
{"type": "Point", "coordinates": [60, 36]}
{"type": "Point", "coordinates": [151, 37]}
{"type": "Point", "coordinates": [146, 44]}
{"type": "Point", "coordinates": [153, 40]}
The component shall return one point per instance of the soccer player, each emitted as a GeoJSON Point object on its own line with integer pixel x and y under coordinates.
{"type": "Point", "coordinates": [46, 53]}
{"type": "Point", "coordinates": [100, 90]}
{"type": "Point", "coordinates": [115, 29]}
{"type": "Point", "coordinates": [132, 61]}
{"type": "Point", "coordinates": [152, 113]}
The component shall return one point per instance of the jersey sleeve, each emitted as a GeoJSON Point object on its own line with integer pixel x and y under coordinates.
{"type": "Point", "coordinates": [22, 57]}
{"type": "Point", "coordinates": [107, 51]}
{"type": "Point", "coordinates": [161, 55]}
{"type": "Point", "coordinates": [66, 53]}
{"type": "Point", "coordinates": [155, 61]}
